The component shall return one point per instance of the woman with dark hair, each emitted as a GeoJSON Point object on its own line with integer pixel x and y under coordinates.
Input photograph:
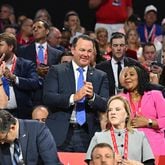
{"type": "Point", "coordinates": [147, 107]}
{"type": "Point", "coordinates": [131, 146]}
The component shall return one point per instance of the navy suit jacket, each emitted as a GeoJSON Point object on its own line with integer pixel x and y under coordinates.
{"type": "Point", "coordinates": [36, 142]}
{"type": "Point", "coordinates": [29, 52]}
{"type": "Point", "coordinates": [59, 85]}
{"type": "Point", "coordinates": [25, 70]}
{"type": "Point", "coordinates": [106, 66]}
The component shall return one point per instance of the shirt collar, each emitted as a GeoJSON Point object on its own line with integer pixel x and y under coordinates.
{"type": "Point", "coordinates": [75, 66]}
{"type": "Point", "coordinates": [44, 45]}
{"type": "Point", "coordinates": [115, 62]}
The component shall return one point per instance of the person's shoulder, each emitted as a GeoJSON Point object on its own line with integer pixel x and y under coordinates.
{"type": "Point", "coordinates": [131, 60]}
{"type": "Point", "coordinates": [24, 61]}
{"type": "Point", "coordinates": [30, 122]}
{"type": "Point", "coordinates": [99, 72]}
{"type": "Point", "coordinates": [62, 66]}
{"type": "Point", "coordinates": [138, 134]}
{"type": "Point", "coordinates": [141, 25]}
{"type": "Point", "coordinates": [101, 133]}
{"type": "Point", "coordinates": [154, 92]}
{"type": "Point", "coordinates": [136, 131]}
{"type": "Point", "coordinates": [54, 50]}
{"type": "Point", "coordinates": [33, 125]}
{"type": "Point", "coordinates": [158, 26]}
{"type": "Point", "coordinates": [103, 64]}
{"type": "Point", "coordinates": [28, 46]}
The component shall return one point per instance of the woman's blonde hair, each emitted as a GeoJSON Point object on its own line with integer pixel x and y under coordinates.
{"type": "Point", "coordinates": [127, 109]}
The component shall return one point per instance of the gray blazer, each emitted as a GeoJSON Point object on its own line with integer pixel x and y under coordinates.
{"type": "Point", "coordinates": [138, 146]}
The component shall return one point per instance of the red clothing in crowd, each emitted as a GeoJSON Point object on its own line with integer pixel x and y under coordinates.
{"type": "Point", "coordinates": [21, 41]}
{"type": "Point", "coordinates": [113, 11]}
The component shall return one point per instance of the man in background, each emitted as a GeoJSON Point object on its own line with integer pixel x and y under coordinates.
{"type": "Point", "coordinates": [40, 113]}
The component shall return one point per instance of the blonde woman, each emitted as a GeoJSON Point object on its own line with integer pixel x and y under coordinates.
{"type": "Point", "coordinates": [130, 145]}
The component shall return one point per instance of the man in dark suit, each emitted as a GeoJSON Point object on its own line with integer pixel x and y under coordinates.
{"type": "Point", "coordinates": [35, 144]}
{"type": "Point", "coordinates": [62, 96]}
{"type": "Point", "coordinates": [21, 76]}
{"type": "Point", "coordinates": [51, 56]}
{"type": "Point", "coordinates": [119, 46]}
{"type": "Point", "coordinates": [40, 31]}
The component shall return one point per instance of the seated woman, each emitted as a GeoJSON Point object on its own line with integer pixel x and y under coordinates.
{"type": "Point", "coordinates": [130, 145]}
{"type": "Point", "coordinates": [147, 107]}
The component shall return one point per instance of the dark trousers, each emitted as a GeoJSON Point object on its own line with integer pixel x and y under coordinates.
{"type": "Point", "coordinates": [77, 139]}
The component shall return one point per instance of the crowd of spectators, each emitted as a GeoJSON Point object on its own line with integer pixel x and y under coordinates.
{"type": "Point", "coordinates": [105, 86]}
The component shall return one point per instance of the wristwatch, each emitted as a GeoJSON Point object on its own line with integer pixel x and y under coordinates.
{"type": "Point", "coordinates": [150, 123]}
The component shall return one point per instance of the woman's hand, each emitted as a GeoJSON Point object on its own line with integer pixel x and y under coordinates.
{"type": "Point", "coordinates": [139, 121]}
{"type": "Point", "coordinates": [131, 162]}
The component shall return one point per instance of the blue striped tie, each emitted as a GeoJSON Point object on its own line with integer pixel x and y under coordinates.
{"type": "Point", "coordinates": [17, 152]}
{"type": "Point", "coordinates": [80, 106]}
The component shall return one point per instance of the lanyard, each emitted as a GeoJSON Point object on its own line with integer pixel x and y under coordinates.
{"type": "Point", "coordinates": [45, 58]}
{"type": "Point", "coordinates": [115, 144]}
{"type": "Point", "coordinates": [133, 108]}
{"type": "Point", "coordinates": [151, 34]}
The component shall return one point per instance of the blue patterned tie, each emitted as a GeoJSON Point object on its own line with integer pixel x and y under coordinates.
{"type": "Point", "coordinates": [80, 106]}
{"type": "Point", "coordinates": [6, 86]}
{"type": "Point", "coordinates": [41, 54]}
{"type": "Point", "coordinates": [17, 152]}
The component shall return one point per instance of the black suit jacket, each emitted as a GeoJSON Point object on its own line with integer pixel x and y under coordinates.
{"type": "Point", "coordinates": [36, 142]}
{"type": "Point", "coordinates": [59, 85]}
{"type": "Point", "coordinates": [106, 66]}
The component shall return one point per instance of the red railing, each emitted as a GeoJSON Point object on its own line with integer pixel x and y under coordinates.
{"type": "Point", "coordinates": [72, 158]}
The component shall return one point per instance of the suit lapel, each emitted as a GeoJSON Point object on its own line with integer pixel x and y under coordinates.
{"type": "Point", "coordinates": [110, 72]}
{"type": "Point", "coordinates": [6, 158]}
{"type": "Point", "coordinates": [16, 66]}
{"type": "Point", "coordinates": [32, 53]}
{"type": "Point", "coordinates": [90, 75]}
{"type": "Point", "coordinates": [126, 63]}
{"type": "Point", "coordinates": [23, 136]}
{"type": "Point", "coordinates": [70, 76]}
{"type": "Point", "coordinates": [49, 59]}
